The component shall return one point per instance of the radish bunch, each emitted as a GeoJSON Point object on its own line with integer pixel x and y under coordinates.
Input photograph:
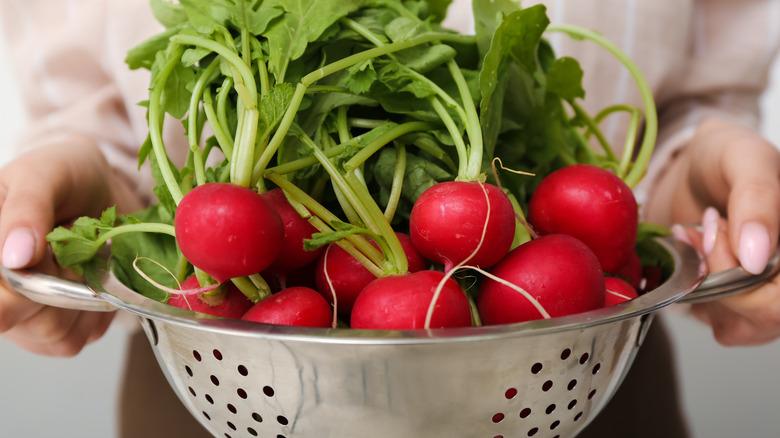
{"type": "Point", "coordinates": [347, 180]}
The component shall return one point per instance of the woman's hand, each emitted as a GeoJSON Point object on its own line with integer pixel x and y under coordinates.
{"type": "Point", "coordinates": [45, 187]}
{"type": "Point", "coordinates": [728, 170]}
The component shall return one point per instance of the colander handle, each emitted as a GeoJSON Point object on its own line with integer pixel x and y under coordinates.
{"type": "Point", "coordinates": [731, 282]}
{"type": "Point", "coordinates": [55, 291]}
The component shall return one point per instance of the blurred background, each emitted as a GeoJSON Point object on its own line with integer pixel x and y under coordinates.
{"type": "Point", "coordinates": [727, 392]}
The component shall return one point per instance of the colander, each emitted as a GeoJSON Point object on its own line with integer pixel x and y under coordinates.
{"type": "Point", "coordinates": [545, 378]}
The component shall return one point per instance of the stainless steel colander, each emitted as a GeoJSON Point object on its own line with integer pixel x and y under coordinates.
{"type": "Point", "coordinates": [546, 378]}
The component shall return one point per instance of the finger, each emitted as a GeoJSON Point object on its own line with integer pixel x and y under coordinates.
{"type": "Point", "coordinates": [15, 308]}
{"type": "Point", "coordinates": [715, 242]}
{"type": "Point", "coordinates": [753, 172]}
{"type": "Point", "coordinates": [59, 332]}
{"type": "Point", "coordinates": [46, 186]}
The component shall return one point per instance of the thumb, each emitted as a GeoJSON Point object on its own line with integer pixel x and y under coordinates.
{"type": "Point", "coordinates": [753, 204]}
{"type": "Point", "coordinates": [27, 214]}
{"type": "Point", "coordinates": [45, 186]}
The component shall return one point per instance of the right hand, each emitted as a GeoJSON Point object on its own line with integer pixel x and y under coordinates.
{"type": "Point", "coordinates": [44, 187]}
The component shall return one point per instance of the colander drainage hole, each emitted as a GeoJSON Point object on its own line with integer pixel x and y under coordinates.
{"type": "Point", "coordinates": [217, 354]}
{"type": "Point", "coordinates": [497, 418]}
{"type": "Point", "coordinates": [547, 385]}
{"type": "Point", "coordinates": [596, 368]}
{"type": "Point", "coordinates": [572, 384]}
{"type": "Point", "coordinates": [251, 431]}
{"type": "Point", "coordinates": [591, 394]}
{"type": "Point", "coordinates": [231, 425]}
{"type": "Point", "coordinates": [196, 355]}
{"type": "Point", "coordinates": [282, 420]}
{"type": "Point", "coordinates": [578, 416]}
{"type": "Point", "coordinates": [242, 370]}
{"type": "Point", "coordinates": [209, 399]}
{"type": "Point", "coordinates": [257, 417]}
{"type": "Point", "coordinates": [214, 380]}
{"type": "Point", "coordinates": [268, 391]}
{"type": "Point", "coordinates": [555, 425]}
{"type": "Point", "coordinates": [188, 370]}
{"type": "Point", "coordinates": [536, 368]}
{"type": "Point", "coordinates": [241, 393]}
{"type": "Point", "coordinates": [232, 408]}
{"type": "Point", "coordinates": [550, 409]}
{"type": "Point", "coordinates": [533, 431]}
{"type": "Point", "coordinates": [584, 358]}
{"type": "Point", "coordinates": [572, 404]}
{"type": "Point", "coordinates": [525, 413]}
{"type": "Point", "coordinates": [565, 354]}
{"type": "Point", "coordinates": [510, 393]}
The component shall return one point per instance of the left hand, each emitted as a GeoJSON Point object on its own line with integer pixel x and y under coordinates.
{"type": "Point", "coordinates": [728, 170]}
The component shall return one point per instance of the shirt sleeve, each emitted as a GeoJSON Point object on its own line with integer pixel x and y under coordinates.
{"type": "Point", "coordinates": [58, 56]}
{"type": "Point", "coordinates": [732, 47]}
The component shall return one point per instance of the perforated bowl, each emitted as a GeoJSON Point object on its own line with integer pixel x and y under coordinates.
{"type": "Point", "coordinates": [546, 378]}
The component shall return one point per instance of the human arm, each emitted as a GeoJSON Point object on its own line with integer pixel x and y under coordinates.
{"type": "Point", "coordinates": [68, 161]}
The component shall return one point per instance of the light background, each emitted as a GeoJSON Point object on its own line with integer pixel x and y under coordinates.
{"type": "Point", "coordinates": [728, 392]}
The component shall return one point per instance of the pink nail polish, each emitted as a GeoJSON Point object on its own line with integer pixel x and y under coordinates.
{"type": "Point", "coordinates": [709, 228]}
{"type": "Point", "coordinates": [19, 248]}
{"type": "Point", "coordinates": [754, 247]}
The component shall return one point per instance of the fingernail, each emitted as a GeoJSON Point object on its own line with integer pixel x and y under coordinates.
{"type": "Point", "coordinates": [678, 231]}
{"type": "Point", "coordinates": [754, 247]}
{"type": "Point", "coordinates": [709, 229]}
{"type": "Point", "coordinates": [19, 248]}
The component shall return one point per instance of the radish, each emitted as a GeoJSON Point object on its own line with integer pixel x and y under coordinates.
{"type": "Point", "coordinates": [591, 204]}
{"type": "Point", "coordinates": [227, 231]}
{"type": "Point", "coordinates": [296, 229]}
{"type": "Point", "coordinates": [339, 272]}
{"type": "Point", "coordinates": [448, 220]}
{"type": "Point", "coordinates": [560, 272]}
{"type": "Point", "coordinates": [631, 271]}
{"type": "Point", "coordinates": [229, 302]}
{"type": "Point", "coordinates": [400, 302]}
{"type": "Point", "coordinates": [618, 291]}
{"type": "Point", "coordinates": [298, 306]}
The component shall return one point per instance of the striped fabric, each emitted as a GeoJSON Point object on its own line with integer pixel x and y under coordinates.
{"type": "Point", "coordinates": [701, 57]}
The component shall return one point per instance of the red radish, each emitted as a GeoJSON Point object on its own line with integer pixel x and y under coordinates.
{"type": "Point", "coordinates": [303, 276]}
{"type": "Point", "coordinates": [559, 271]}
{"type": "Point", "coordinates": [400, 302]}
{"type": "Point", "coordinates": [227, 230]}
{"type": "Point", "coordinates": [232, 303]}
{"type": "Point", "coordinates": [591, 204]}
{"type": "Point", "coordinates": [631, 271]}
{"type": "Point", "coordinates": [448, 219]}
{"type": "Point", "coordinates": [651, 276]}
{"type": "Point", "coordinates": [340, 272]}
{"type": "Point", "coordinates": [298, 306]}
{"type": "Point", "coordinates": [296, 229]}
{"type": "Point", "coordinates": [618, 291]}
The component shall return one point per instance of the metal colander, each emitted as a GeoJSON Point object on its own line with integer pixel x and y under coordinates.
{"type": "Point", "coordinates": [545, 378]}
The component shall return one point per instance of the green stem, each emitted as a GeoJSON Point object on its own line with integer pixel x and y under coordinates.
{"type": "Point", "coordinates": [428, 145]}
{"type": "Point", "coordinates": [361, 156]}
{"type": "Point", "coordinates": [639, 166]}
{"type": "Point", "coordinates": [460, 145]}
{"type": "Point", "coordinates": [594, 129]}
{"type": "Point", "coordinates": [220, 132]}
{"type": "Point", "coordinates": [398, 178]}
{"type": "Point", "coordinates": [135, 228]}
{"type": "Point", "coordinates": [193, 133]}
{"type": "Point", "coordinates": [471, 121]}
{"type": "Point", "coordinates": [628, 148]}
{"type": "Point", "coordinates": [156, 116]}
{"type": "Point", "coordinates": [325, 216]}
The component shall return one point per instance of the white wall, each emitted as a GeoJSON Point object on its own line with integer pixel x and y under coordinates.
{"type": "Point", "coordinates": [728, 392]}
